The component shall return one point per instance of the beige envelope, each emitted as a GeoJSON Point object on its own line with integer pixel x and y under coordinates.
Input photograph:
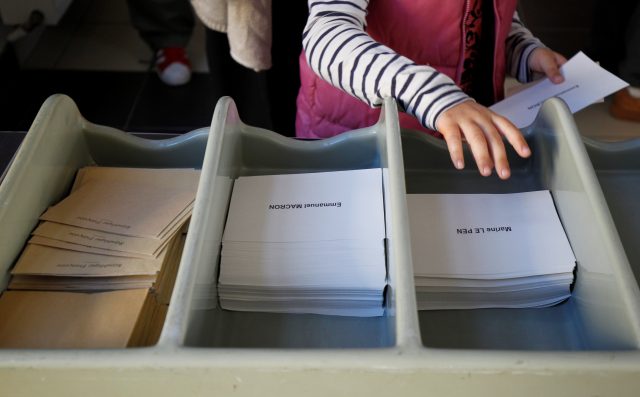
{"type": "Point", "coordinates": [176, 178]}
{"type": "Point", "coordinates": [49, 242]}
{"type": "Point", "coordinates": [68, 320]}
{"type": "Point", "coordinates": [80, 284]}
{"type": "Point", "coordinates": [128, 209]}
{"type": "Point", "coordinates": [41, 260]}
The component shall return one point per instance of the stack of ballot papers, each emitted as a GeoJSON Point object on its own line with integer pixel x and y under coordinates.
{"type": "Point", "coordinates": [488, 251]}
{"type": "Point", "coordinates": [305, 243]}
{"type": "Point", "coordinates": [120, 229]}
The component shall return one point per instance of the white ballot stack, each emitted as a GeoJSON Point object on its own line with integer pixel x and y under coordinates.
{"type": "Point", "coordinates": [488, 250]}
{"type": "Point", "coordinates": [305, 243]}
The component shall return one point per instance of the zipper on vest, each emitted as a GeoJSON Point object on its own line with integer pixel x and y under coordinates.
{"type": "Point", "coordinates": [465, 15]}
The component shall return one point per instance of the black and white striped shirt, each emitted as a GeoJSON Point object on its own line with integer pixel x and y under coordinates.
{"type": "Point", "coordinates": [338, 49]}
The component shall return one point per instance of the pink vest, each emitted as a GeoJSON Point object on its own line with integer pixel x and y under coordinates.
{"type": "Point", "coordinates": [428, 32]}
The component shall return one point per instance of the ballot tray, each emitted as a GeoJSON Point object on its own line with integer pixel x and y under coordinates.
{"type": "Point", "coordinates": [617, 166]}
{"type": "Point", "coordinates": [587, 345]}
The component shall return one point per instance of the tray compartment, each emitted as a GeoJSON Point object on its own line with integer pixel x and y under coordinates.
{"type": "Point", "coordinates": [59, 142]}
{"type": "Point", "coordinates": [602, 312]}
{"type": "Point", "coordinates": [240, 150]}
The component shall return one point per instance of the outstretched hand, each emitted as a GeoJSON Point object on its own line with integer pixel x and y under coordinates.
{"type": "Point", "coordinates": [483, 130]}
{"type": "Point", "coordinates": [547, 62]}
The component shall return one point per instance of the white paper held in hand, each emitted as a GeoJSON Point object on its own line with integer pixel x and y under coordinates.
{"type": "Point", "coordinates": [585, 83]}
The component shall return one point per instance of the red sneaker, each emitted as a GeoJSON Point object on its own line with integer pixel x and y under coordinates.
{"type": "Point", "coordinates": [173, 66]}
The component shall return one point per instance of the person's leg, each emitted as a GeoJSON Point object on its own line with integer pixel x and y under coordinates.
{"type": "Point", "coordinates": [283, 79]}
{"type": "Point", "coordinates": [166, 27]}
{"type": "Point", "coordinates": [247, 87]}
{"type": "Point", "coordinates": [162, 23]}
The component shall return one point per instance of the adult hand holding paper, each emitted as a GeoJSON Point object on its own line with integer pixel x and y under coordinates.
{"type": "Point", "coordinates": [585, 82]}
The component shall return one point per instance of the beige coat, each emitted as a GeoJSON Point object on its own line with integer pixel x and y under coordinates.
{"type": "Point", "coordinates": [248, 27]}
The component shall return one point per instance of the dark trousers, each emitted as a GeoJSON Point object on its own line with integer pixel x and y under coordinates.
{"type": "Point", "coordinates": [247, 87]}
{"type": "Point", "coordinates": [162, 23]}
{"type": "Point", "coordinates": [265, 99]}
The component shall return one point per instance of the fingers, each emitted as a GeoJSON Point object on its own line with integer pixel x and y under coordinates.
{"type": "Point", "coordinates": [454, 144]}
{"type": "Point", "coordinates": [478, 142]}
{"type": "Point", "coordinates": [548, 62]}
{"type": "Point", "coordinates": [559, 59]}
{"type": "Point", "coordinates": [453, 126]}
{"type": "Point", "coordinates": [497, 150]}
{"type": "Point", "coordinates": [512, 134]}
{"type": "Point", "coordinates": [551, 69]}
{"type": "Point", "coordinates": [483, 130]}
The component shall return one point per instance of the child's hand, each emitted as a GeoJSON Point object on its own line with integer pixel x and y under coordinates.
{"type": "Point", "coordinates": [547, 62]}
{"type": "Point", "coordinates": [483, 130]}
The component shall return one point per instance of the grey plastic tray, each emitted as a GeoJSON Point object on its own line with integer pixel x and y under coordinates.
{"type": "Point", "coordinates": [617, 166]}
{"type": "Point", "coordinates": [603, 294]}
{"type": "Point", "coordinates": [586, 346]}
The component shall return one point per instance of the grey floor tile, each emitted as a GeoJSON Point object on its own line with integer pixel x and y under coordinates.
{"type": "Point", "coordinates": [114, 47]}
{"type": "Point", "coordinates": [50, 47]}
{"type": "Point", "coordinates": [108, 12]}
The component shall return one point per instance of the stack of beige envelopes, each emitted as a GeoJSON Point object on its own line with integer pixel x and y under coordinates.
{"type": "Point", "coordinates": [99, 270]}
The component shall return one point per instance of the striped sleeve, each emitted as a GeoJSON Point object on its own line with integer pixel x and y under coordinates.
{"type": "Point", "coordinates": [338, 49]}
{"type": "Point", "coordinates": [519, 46]}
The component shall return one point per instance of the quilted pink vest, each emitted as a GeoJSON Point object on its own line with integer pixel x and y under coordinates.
{"type": "Point", "coordinates": [426, 31]}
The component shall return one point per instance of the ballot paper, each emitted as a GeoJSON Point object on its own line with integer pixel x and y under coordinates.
{"type": "Point", "coordinates": [174, 178]}
{"type": "Point", "coordinates": [488, 250]}
{"type": "Point", "coordinates": [43, 260]}
{"type": "Point", "coordinates": [100, 240]}
{"type": "Point", "coordinates": [307, 207]}
{"type": "Point", "coordinates": [585, 83]}
{"type": "Point", "coordinates": [49, 242]}
{"type": "Point", "coordinates": [305, 243]}
{"type": "Point", "coordinates": [123, 208]}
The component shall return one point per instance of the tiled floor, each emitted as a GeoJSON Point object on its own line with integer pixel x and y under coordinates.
{"type": "Point", "coordinates": [95, 56]}
{"type": "Point", "coordinates": [98, 35]}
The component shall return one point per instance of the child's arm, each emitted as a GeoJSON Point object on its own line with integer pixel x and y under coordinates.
{"type": "Point", "coordinates": [483, 130]}
{"type": "Point", "coordinates": [338, 49]}
{"type": "Point", "coordinates": [526, 55]}
{"type": "Point", "coordinates": [481, 127]}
